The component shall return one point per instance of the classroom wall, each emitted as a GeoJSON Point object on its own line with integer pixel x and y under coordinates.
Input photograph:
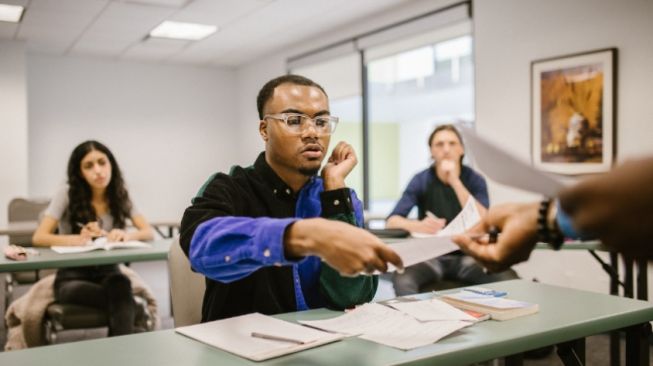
{"type": "Point", "coordinates": [252, 76]}
{"type": "Point", "coordinates": [13, 125]}
{"type": "Point", "coordinates": [170, 127]}
{"type": "Point", "coordinates": [509, 34]}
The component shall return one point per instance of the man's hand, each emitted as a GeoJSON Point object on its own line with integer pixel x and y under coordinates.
{"type": "Point", "coordinates": [428, 225]}
{"type": "Point", "coordinates": [517, 224]}
{"type": "Point", "coordinates": [616, 208]}
{"type": "Point", "coordinates": [340, 164]}
{"type": "Point", "coordinates": [448, 171]}
{"type": "Point", "coordinates": [347, 248]}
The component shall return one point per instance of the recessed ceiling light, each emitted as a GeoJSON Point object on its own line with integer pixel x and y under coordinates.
{"type": "Point", "coordinates": [11, 13]}
{"type": "Point", "coordinates": [185, 31]}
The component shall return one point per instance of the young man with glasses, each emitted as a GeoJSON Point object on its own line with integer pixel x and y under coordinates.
{"type": "Point", "coordinates": [275, 237]}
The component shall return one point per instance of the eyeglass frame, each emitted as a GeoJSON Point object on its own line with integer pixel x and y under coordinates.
{"type": "Point", "coordinates": [333, 120]}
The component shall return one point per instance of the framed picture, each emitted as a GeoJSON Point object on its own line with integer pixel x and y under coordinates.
{"type": "Point", "coordinates": [573, 112]}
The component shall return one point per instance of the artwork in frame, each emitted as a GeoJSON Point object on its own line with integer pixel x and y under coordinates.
{"type": "Point", "coordinates": [573, 112]}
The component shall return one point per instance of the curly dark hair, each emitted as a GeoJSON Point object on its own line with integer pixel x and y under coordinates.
{"type": "Point", "coordinates": [80, 209]}
{"type": "Point", "coordinates": [268, 89]}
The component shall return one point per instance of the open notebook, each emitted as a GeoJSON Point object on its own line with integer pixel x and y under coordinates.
{"type": "Point", "coordinates": [100, 244]}
{"type": "Point", "coordinates": [236, 335]}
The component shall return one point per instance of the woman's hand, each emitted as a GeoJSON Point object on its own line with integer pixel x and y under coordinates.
{"type": "Point", "coordinates": [117, 235]}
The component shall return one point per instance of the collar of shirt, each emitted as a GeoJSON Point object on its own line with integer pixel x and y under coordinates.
{"type": "Point", "coordinates": [279, 188]}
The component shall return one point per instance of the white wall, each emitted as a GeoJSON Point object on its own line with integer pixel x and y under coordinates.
{"type": "Point", "coordinates": [170, 127]}
{"type": "Point", "coordinates": [509, 34]}
{"type": "Point", "coordinates": [252, 76]}
{"type": "Point", "coordinates": [13, 125]}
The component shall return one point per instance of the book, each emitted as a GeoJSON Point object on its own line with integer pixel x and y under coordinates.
{"type": "Point", "coordinates": [258, 337]}
{"type": "Point", "coordinates": [498, 308]}
{"type": "Point", "coordinates": [99, 244]}
{"type": "Point", "coordinates": [478, 316]}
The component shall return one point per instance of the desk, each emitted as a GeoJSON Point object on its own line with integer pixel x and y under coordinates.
{"type": "Point", "coordinates": [559, 321]}
{"type": "Point", "coordinates": [47, 258]}
{"type": "Point", "coordinates": [28, 228]}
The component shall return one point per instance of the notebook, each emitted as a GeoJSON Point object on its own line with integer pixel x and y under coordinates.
{"type": "Point", "coordinates": [235, 335]}
{"type": "Point", "coordinates": [99, 244]}
{"type": "Point", "coordinates": [499, 308]}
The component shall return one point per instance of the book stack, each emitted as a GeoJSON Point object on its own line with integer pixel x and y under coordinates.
{"type": "Point", "coordinates": [499, 308]}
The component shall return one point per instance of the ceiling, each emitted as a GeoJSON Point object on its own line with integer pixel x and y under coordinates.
{"type": "Point", "coordinates": [118, 29]}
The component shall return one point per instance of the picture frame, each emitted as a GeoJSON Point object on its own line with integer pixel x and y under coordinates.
{"type": "Point", "coordinates": [573, 109]}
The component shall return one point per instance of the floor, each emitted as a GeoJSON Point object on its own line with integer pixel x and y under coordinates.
{"type": "Point", "coordinates": [156, 275]}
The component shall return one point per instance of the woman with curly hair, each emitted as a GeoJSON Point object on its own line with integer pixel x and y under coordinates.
{"type": "Point", "coordinates": [94, 203]}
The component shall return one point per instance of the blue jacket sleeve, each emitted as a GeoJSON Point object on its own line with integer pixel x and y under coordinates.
{"type": "Point", "coordinates": [409, 198]}
{"type": "Point", "coordinates": [229, 248]}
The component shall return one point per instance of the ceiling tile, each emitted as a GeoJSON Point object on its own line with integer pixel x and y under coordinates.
{"type": "Point", "coordinates": [218, 13]}
{"type": "Point", "coordinates": [154, 49]}
{"type": "Point", "coordinates": [165, 3]}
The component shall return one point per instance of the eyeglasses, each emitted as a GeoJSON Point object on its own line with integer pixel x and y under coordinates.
{"type": "Point", "coordinates": [296, 122]}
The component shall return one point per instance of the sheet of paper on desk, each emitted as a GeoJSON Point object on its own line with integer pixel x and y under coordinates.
{"type": "Point", "coordinates": [234, 335]}
{"type": "Point", "coordinates": [430, 310]}
{"type": "Point", "coordinates": [381, 324]}
{"type": "Point", "coordinates": [505, 168]}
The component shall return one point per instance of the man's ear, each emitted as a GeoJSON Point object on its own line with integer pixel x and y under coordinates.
{"type": "Point", "coordinates": [263, 129]}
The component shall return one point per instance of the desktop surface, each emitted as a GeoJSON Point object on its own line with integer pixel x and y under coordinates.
{"type": "Point", "coordinates": [565, 314]}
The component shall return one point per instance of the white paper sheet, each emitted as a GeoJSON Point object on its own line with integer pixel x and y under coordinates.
{"type": "Point", "coordinates": [381, 324]}
{"type": "Point", "coordinates": [465, 220]}
{"type": "Point", "coordinates": [235, 335]}
{"type": "Point", "coordinates": [505, 168]}
{"type": "Point", "coordinates": [430, 310]}
{"type": "Point", "coordinates": [423, 247]}
{"type": "Point", "coordinates": [413, 251]}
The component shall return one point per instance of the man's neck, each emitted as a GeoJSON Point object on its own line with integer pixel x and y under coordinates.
{"type": "Point", "coordinates": [293, 178]}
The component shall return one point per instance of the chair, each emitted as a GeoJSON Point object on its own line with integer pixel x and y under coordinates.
{"type": "Point", "coordinates": [64, 317]}
{"type": "Point", "coordinates": [186, 288]}
{"type": "Point", "coordinates": [22, 209]}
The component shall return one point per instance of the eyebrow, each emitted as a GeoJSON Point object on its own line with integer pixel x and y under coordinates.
{"type": "Point", "coordinates": [320, 113]}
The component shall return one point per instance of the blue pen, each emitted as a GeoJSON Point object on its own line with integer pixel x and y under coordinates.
{"type": "Point", "coordinates": [486, 291]}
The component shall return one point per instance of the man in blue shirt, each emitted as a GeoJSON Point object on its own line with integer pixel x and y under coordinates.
{"type": "Point", "coordinates": [275, 237]}
{"type": "Point", "coordinates": [440, 192]}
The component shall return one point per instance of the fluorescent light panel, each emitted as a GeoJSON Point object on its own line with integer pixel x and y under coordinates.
{"type": "Point", "coordinates": [185, 31]}
{"type": "Point", "coordinates": [11, 13]}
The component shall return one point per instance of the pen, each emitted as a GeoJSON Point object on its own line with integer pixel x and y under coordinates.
{"type": "Point", "coordinates": [276, 338]}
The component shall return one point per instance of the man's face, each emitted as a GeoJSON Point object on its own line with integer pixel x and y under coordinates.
{"type": "Point", "coordinates": [446, 146]}
{"type": "Point", "coordinates": [302, 151]}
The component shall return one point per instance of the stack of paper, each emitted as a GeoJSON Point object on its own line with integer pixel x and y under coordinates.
{"type": "Point", "coordinates": [382, 324]}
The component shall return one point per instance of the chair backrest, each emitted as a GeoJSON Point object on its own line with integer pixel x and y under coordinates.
{"type": "Point", "coordinates": [186, 287]}
{"type": "Point", "coordinates": [23, 209]}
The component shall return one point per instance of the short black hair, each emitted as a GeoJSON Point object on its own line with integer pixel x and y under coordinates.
{"type": "Point", "coordinates": [268, 89]}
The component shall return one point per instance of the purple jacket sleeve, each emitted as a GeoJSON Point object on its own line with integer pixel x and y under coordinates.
{"type": "Point", "coordinates": [229, 248]}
